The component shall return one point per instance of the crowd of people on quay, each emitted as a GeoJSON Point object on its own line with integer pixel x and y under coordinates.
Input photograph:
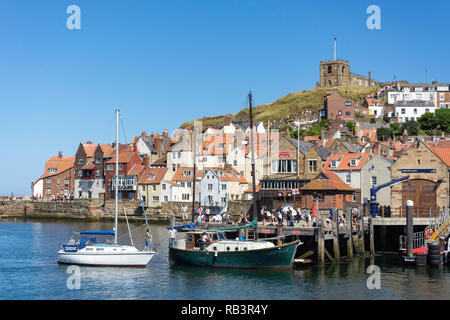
{"type": "Point", "coordinates": [284, 216]}
{"type": "Point", "coordinates": [58, 197]}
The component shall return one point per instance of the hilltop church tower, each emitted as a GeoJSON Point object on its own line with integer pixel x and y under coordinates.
{"type": "Point", "coordinates": [336, 72]}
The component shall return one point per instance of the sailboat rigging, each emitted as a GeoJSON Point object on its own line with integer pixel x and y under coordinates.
{"type": "Point", "coordinates": [86, 250]}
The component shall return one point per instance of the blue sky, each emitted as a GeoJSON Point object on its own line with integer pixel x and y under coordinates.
{"type": "Point", "coordinates": [166, 62]}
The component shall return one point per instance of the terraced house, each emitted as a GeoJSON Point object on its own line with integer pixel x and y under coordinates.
{"type": "Point", "coordinates": [348, 168]}
{"type": "Point", "coordinates": [58, 177]}
{"type": "Point", "coordinates": [89, 169]}
{"type": "Point", "coordinates": [130, 167]}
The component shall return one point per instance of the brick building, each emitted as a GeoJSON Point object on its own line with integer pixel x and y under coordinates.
{"type": "Point", "coordinates": [89, 169]}
{"type": "Point", "coordinates": [130, 168]}
{"type": "Point", "coordinates": [58, 177]}
{"type": "Point", "coordinates": [338, 107]}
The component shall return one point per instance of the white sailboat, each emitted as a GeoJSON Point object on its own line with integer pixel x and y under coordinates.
{"type": "Point", "coordinates": [86, 251]}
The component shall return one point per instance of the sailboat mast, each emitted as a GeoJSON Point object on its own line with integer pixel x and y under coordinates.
{"type": "Point", "coordinates": [117, 176]}
{"type": "Point", "coordinates": [193, 178]}
{"type": "Point", "coordinates": [252, 155]}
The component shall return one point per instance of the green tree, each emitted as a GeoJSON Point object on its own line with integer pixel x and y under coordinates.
{"type": "Point", "coordinates": [384, 133]}
{"type": "Point", "coordinates": [443, 119]}
{"type": "Point", "coordinates": [351, 126]}
{"type": "Point", "coordinates": [427, 121]}
{"type": "Point", "coordinates": [412, 127]}
{"type": "Point", "coordinates": [397, 130]}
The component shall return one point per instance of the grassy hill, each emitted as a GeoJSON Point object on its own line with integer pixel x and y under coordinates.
{"type": "Point", "coordinates": [293, 103]}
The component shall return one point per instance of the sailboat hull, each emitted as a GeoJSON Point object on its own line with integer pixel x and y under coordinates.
{"type": "Point", "coordinates": [278, 257]}
{"type": "Point", "coordinates": [134, 258]}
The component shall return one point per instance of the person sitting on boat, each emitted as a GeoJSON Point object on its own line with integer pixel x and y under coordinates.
{"type": "Point", "coordinates": [172, 236]}
{"type": "Point", "coordinates": [204, 240]}
{"type": "Point", "coordinates": [147, 241]}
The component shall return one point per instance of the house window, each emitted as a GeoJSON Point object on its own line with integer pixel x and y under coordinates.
{"type": "Point", "coordinates": [441, 96]}
{"type": "Point", "coordinates": [58, 181]}
{"type": "Point", "coordinates": [312, 165]}
{"type": "Point", "coordinates": [224, 187]}
{"type": "Point", "coordinates": [374, 181]}
{"type": "Point", "coordinates": [49, 181]}
{"type": "Point", "coordinates": [143, 187]}
{"type": "Point", "coordinates": [189, 184]}
{"type": "Point", "coordinates": [224, 199]}
{"type": "Point", "coordinates": [348, 103]}
{"type": "Point", "coordinates": [185, 196]}
{"type": "Point", "coordinates": [235, 163]}
{"type": "Point", "coordinates": [97, 172]}
{"type": "Point", "coordinates": [353, 163]}
{"type": "Point", "coordinates": [120, 166]}
{"type": "Point", "coordinates": [52, 170]}
{"type": "Point", "coordinates": [98, 160]}
{"type": "Point", "coordinates": [174, 168]}
{"type": "Point", "coordinates": [428, 110]}
{"type": "Point", "coordinates": [165, 199]}
{"type": "Point", "coordinates": [187, 173]}
{"type": "Point", "coordinates": [80, 161]}
{"type": "Point", "coordinates": [155, 199]}
{"type": "Point", "coordinates": [333, 164]}
{"type": "Point", "coordinates": [354, 196]}
{"type": "Point", "coordinates": [415, 111]}
{"type": "Point", "coordinates": [151, 176]}
{"type": "Point", "coordinates": [182, 184]}
{"type": "Point", "coordinates": [109, 167]}
{"type": "Point", "coordinates": [66, 181]}
{"type": "Point", "coordinates": [154, 187]}
{"type": "Point", "coordinates": [48, 191]}
{"type": "Point", "coordinates": [163, 186]}
{"type": "Point", "coordinates": [210, 186]}
{"type": "Point", "coordinates": [284, 166]}
{"type": "Point", "coordinates": [403, 111]}
{"type": "Point", "coordinates": [348, 177]}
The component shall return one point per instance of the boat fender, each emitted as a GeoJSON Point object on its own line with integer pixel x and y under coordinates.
{"type": "Point", "coordinates": [216, 253]}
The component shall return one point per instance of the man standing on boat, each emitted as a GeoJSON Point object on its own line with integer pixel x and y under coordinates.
{"type": "Point", "coordinates": [172, 236]}
{"type": "Point", "coordinates": [147, 241]}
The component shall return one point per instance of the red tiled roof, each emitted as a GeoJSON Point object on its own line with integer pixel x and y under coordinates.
{"type": "Point", "coordinates": [344, 163]}
{"type": "Point", "coordinates": [372, 101]}
{"type": "Point", "coordinates": [327, 180]}
{"type": "Point", "coordinates": [179, 176]}
{"type": "Point", "coordinates": [443, 152]}
{"type": "Point", "coordinates": [61, 164]}
{"type": "Point", "coordinates": [158, 173]}
{"type": "Point", "coordinates": [89, 149]}
{"type": "Point", "coordinates": [228, 174]}
{"type": "Point", "coordinates": [311, 138]}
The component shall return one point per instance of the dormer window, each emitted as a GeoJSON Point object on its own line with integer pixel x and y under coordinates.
{"type": "Point", "coordinates": [52, 170]}
{"type": "Point", "coordinates": [333, 164]}
{"type": "Point", "coordinates": [353, 163]}
{"type": "Point", "coordinates": [151, 176]}
{"type": "Point", "coordinates": [187, 173]}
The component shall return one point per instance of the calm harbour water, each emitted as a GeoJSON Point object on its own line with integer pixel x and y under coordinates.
{"type": "Point", "coordinates": [28, 270]}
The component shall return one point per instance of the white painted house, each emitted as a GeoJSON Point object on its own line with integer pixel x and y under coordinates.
{"type": "Point", "coordinates": [412, 110]}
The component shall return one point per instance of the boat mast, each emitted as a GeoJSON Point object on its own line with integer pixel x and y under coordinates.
{"type": "Point", "coordinates": [193, 178]}
{"type": "Point", "coordinates": [252, 155]}
{"type": "Point", "coordinates": [117, 176]}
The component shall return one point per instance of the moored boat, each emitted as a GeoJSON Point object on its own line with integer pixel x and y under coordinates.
{"type": "Point", "coordinates": [221, 252]}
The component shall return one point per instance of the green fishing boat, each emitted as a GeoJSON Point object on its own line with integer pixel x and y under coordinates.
{"type": "Point", "coordinates": [220, 252]}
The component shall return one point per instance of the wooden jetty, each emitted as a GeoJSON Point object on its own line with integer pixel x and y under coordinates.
{"type": "Point", "coordinates": [318, 238]}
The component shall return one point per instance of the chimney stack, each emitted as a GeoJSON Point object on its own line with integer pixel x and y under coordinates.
{"type": "Point", "coordinates": [165, 133]}
{"type": "Point", "coordinates": [60, 155]}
